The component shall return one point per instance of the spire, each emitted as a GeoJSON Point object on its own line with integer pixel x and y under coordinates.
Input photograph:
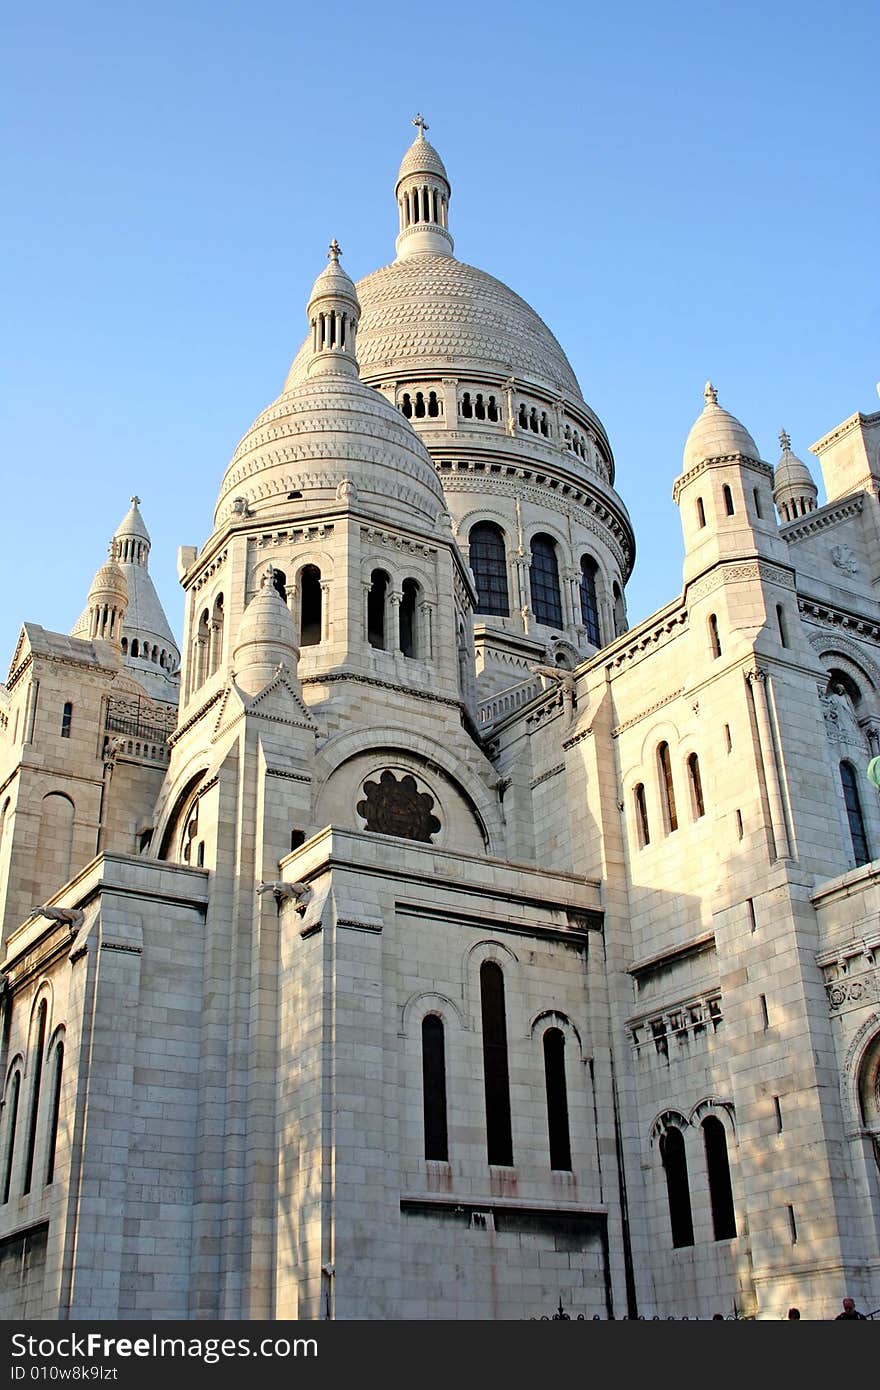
{"type": "Point", "coordinates": [132, 539]}
{"type": "Point", "coordinates": [423, 192]}
{"type": "Point", "coordinates": [334, 310]}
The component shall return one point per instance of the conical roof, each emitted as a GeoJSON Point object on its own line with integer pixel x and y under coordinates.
{"type": "Point", "coordinates": [421, 157]}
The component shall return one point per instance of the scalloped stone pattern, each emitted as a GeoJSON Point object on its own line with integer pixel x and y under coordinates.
{"type": "Point", "coordinates": [346, 429]}
{"type": "Point", "coordinates": [437, 313]}
{"type": "Point", "coordinates": [421, 158]}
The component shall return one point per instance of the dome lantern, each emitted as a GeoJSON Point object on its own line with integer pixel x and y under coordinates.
{"type": "Point", "coordinates": [106, 604]}
{"type": "Point", "coordinates": [333, 312]}
{"type": "Point", "coordinates": [423, 192]}
{"type": "Point", "coordinates": [794, 491]}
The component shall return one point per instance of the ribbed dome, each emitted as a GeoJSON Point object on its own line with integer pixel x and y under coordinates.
{"type": "Point", "coordinates": [267, 623]}
{"type": "Point", "coordinates": [421, 158]}
{"type": "Point", "coordinates": [441, 315]}
{"type": "Point", "coordinates": [716, 434]}
{"type": "Point", "coordinates": [109, 583]}
{"type": "Point", "coordinates": [326, 431]}
{"type": "Point", "coordinates": [791, 472]}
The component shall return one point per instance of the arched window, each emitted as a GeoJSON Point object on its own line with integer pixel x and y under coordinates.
{"type": "Point", "coordinates": [523, 417]}
{"type": "Point", "coordinates": [11, 1109]}
{"type": "Point", "coordinates": [545, 428]}
{"type": "Point", "coordinates": [376, 600]}
{"type": "Point", "coordinates": [718, 1169]}
{"type": "Point", "coordinates": [667, 790]}
{"type": "Point", "coordinates": [420, 405]}
{"type": "Point", "coordinates": [499, 1135]}
{"type": "Point", "coordinates": [557, 1099]}
{"type": "Point", "coordinates": [701, 513]}
{"type": "Point", "coordinates": [492, 410]}
{"type": "Point", "coordinates": [714, 635]}
{"type": "Point", "coordinates": [408, 617]}
{"type": "Point", "coordinates": [433, 405]}
{"type": "Point", "coordinates": [54, 854]}
{"type": "Point", "coordinates": [54, 1115]}
{"type": "Point", "coordinates": [434, 1088]}
{"type": "Point", "coordinates": [533, 420]}
{"type": "Point", "coordinates": [546, 598]}
{"type": "Point", "coordinates": [36, 1060]}
{"type": "Point", "coordinates": [488, 561]}
{"type": "Point", "coordinates": [467, 408]}
{"type": "Point", "coordinates": [642, 814]}
{"type": "Point", "coordinates": [66, 719]}
{"type": "Point", "coordinates": [697, 803]}
{"type": "Point", "coordinates": [125, 646]}
{"type": "Point", "coordinates": [310, 597]}
{"type": "Point", "coordinates": [854, 815]}
{"type": "Point", "coordinates": [590, 600]}
{"type": "Point", "coordinates": [728, 499]}
{"type": "Point", "coordinates": [678, 1191]}
{"type": "Point", "coordinates": [479, 408]}
{"type": "Point", "coordinates": [406, 405]}
{"type": "Point", "coordinates": [135, 646]}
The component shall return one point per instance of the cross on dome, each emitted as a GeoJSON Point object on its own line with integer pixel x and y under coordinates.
{"type": "Point", "coordinates": [710, 395]}
{"type": "Point", "coordinates": [422, 124]}
{"type": "Point", "coordinates": [334, 252]}
{"type": "Point", "coordinates": [135, 501]}
{"type": "Point", "coordinates": [785, 441]}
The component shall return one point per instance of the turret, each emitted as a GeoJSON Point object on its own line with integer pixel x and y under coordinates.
{"type": "Point", "coordinates": [724, 493]}
{"type": "Point", "coordinates": [333, 313]}
{"type": "Point", "coordinates": [794, 491]}
{"type": "Point", "coordinates": [266, 638]}
{"type": "Point", "coordinates": [106, 605]}
{"type": "Point", "coordinates": [423, 192]}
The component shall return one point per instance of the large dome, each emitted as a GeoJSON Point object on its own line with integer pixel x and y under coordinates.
{"type": "Point", "coordinates": [432, 312]}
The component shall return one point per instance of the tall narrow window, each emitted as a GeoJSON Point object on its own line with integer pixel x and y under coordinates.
{"type": "Point", "coordinates": [642, 814]}
{"type": "Point", "coordinates": [557, 1100]}
{"type": "Point", "coordinates": [854, 813]}
{"type": "Point", "coordinates": [55, 1113]}
{"type": "Point", "coordinates": [678, 1190]}
{"type": "Point", "coordinates": [699, 807]}
{"type": "Point", "coordinates": [546, 598]}
{"type": "Point", "coordinates": [310, 603]}
{"type": "Point", "coordinates": [37, 1061]}
{"type": "Point", "coordinates": [499, 1135]}
{"type": "Point", "coordinates": [780, 623]}
{"type": "Point", "coordinates": [66, 719]}
{"type": "Point", "coordinates": [434, 1088]}
{"type": "Point", "coordinates": [718, 1168]}
{"type": "Point", "coordinates": [11, 1126]}
{"type": "Point", "coordinates": [758, 510]}
{"type": "Point", "coordinates": [728, 499]}
{"type": "Point", "coordinates": [667, 790]}
{"type": "Point", "coordinates": [714, 635]}
{"type": "Point", "coordinates": [701, 513]}
{"type": "Point", "coordinates": [407, 617]}
{"type": "Point", "coordinates": [376, 608]}
{"type": "Point", "coordinates": [488, 561]}
{"type": "Point", "coordinates": [590, 599]}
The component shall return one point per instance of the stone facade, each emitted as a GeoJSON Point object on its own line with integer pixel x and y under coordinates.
{"type": "Point", "coordinates": [418, 940]}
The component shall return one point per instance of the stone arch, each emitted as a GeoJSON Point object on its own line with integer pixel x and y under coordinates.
{"type": "Point", "coordinates": [181, 803]}
{"type": "Point", "coordinates": [713, 1105]}
{"type": "Point", "coordinates": [424, 1002]}
{"type": "Point", "coordinates": [488, 948]}
{"type": "Point", "coordinates": [54, 853]}
{"type": "Point", "coordinates": [831, 645]}
{"type": "Point", "coordinates": [554, 1018]}
{"type": "Point", "coordinates": [857, 1070]}
{"type": "Point", "coordinates": [666, 1119]}
{"type": "Point", "coordinates": [388, 741]}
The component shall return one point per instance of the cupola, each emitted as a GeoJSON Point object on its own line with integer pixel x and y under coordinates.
{"type": "Point", "coordinates": [106, 605]}
{"type": "Point", "coordinates": [794, 491]}
{"type": "Point", "coordinates": [423, 192]}
{"type": "Point", "coordinates": [333, 313]}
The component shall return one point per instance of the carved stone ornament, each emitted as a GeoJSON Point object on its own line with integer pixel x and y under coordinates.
{"type": "Point", "coordinates": [843, 558]}
{"type": "Point", "coordinates": [397, 807]}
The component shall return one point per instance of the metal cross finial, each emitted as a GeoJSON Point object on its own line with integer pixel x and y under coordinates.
{"type": "Point", "coordinates": [419, 120]}
{"type": "Point", "coordinates": [135, 501]}
{"type": "Point", "coordinates": [335, 252]}
{"type": "Point", "coordinates": [785, 441]}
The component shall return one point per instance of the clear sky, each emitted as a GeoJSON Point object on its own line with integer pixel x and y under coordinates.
{"type": "Point", "coordinates": [681, 191]}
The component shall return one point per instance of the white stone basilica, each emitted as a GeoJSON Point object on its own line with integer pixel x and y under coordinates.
{"type": "Point", "coordinates": [420, 941]}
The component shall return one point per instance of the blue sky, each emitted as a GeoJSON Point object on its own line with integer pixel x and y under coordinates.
{"type": "Point", "coordinates": [681, 192]}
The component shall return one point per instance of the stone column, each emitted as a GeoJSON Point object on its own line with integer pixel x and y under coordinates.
{"type": "Point", "coordinates": [758, 681]}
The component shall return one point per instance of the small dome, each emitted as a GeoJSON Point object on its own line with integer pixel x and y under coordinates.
{"type": "Point", "coordinates": [716, 434]}
{"type": "Point", "coordinates": [791, 471]}
{"type": "Point", "coordinates": [333, 282]}
{"type": "Point", "coordinates": [421, 158]}
{"type": "Point", "coordinates": [132, 525]}
{"type": "Point", "coordinates": [109, 584]}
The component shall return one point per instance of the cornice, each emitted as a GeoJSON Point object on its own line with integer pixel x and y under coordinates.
{"type": "Point", "coordinates": [830, 515]}
{"type": "Point", "coordinates": [854, 422]}
{"type": "Point", "coordinates": [756, 465]}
